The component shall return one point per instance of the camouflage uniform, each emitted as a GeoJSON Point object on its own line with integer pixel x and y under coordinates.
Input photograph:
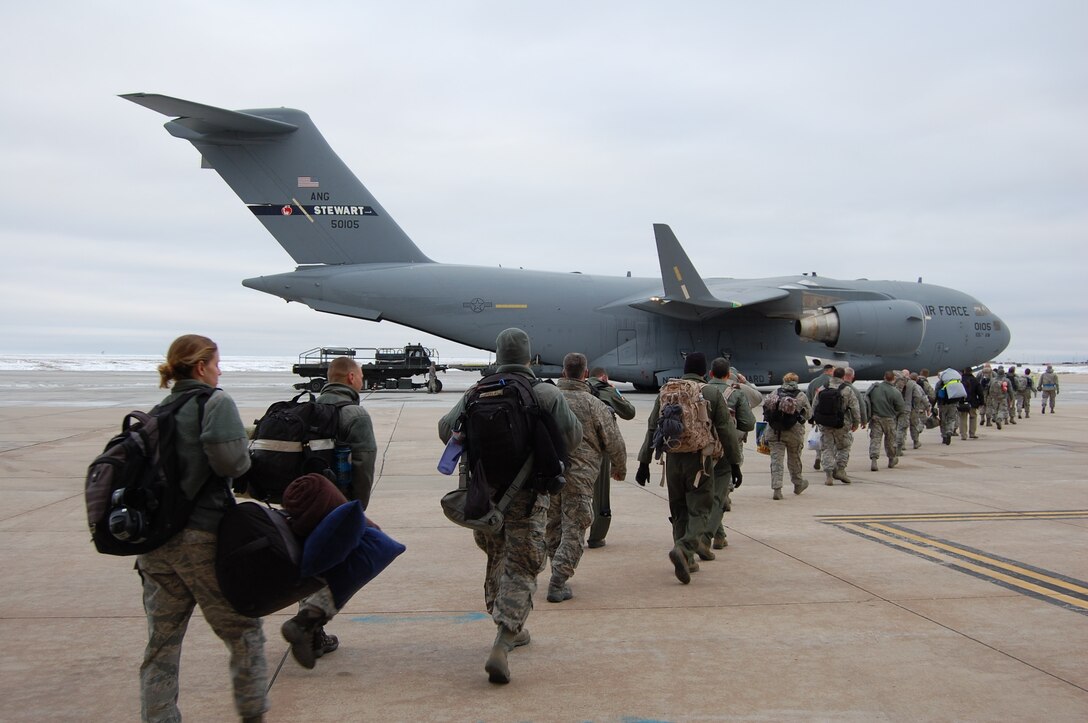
{"type": "Point", "coordinates": [516, 555]}
{"type": "Point", "coordinates": [1048, 387]}
{"type": "Point", "coordinates": [997, 399]}
{"type": "Point", "coordinates": [1025, 389]}
{"type": "Point", "coordinates": [950, 407]}
{"type": "Point", "coordinates": [741, 412]}
{"type": "Point", "coordinates": [887, 407]}
{"type": "Point", "coordinates": [571, 510]}
{"type": "Point", "coordinates": [863, 404]}
{"type": "Point", "coordinates": [1011, 376]}
{"type": "Point", "coordinates": [176, 576]}
{"type": "Point", "coordinates": [919, 409]}
{"type": "Point", "coordinates": [181, 574]}
{"type": "Point", "coordinates": [835, 442]}
{"type": "Point", "coordinates": [602, 506]}
{"type": "Point", "coordinates": [930, 392]}
{"type": "Point", "coordinates": [985, 376]}
{"type": "Point", "coordinates": [787, 444]}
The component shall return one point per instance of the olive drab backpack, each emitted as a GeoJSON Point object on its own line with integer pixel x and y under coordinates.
{"type": "Point", "coordinates": [829, 408]}
{"type": "Point", "coordinates": [134, 498]}
{"type": "Point", "coordinates": [780, 410]}
{"type": "Point", "coordinates": [683, 421]}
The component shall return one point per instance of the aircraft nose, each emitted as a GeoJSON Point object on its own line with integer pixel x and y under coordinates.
{"type": "Point", "coordinates": [1003, 335]}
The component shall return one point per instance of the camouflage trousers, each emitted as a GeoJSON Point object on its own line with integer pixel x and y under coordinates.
{"type": "Point", "coordinates": [882, 428]}
{"type": "Point", "coordinates": [786, 446]}
{"type": "Point", "coordinates": [997, 409]}
{"type": "Point", "coordinates": [1049, 395]}
{"type": "Point", "coordinates": [950, 418]}
{"type": "Point", "coordinates": [917, 424]}
{"type": "Point", "coordinates": [902, 428]}
{"type": "Point", "coordinates": [569, 516]}
{"type": "Point", "coordinates": [322, 601]}
{"type": "Point", "coordinates": [515, 556]}
{"type": "Point", "coordinates": [835, 447]}
{"type": "Point", "coordinates": [1023, 403]}
{"type": "Point", "coordinates": [176, 577]}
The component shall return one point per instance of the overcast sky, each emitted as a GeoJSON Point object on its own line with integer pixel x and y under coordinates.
{"type": "Point", "coordinates": [854, 139]}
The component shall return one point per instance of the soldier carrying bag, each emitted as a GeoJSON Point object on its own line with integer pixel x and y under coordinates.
{"type": "Point", "coordinates": [455, 502]}
{"type": "Point", "coordinates": [509, 442]}
{"type": "Point", "coordinates": [134, 500]}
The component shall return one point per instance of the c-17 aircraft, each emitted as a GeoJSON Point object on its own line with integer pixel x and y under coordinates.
{"type": "Point", "coordinates": [354, 260]}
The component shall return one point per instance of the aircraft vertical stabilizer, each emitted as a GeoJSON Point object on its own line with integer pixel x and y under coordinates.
{"type": "Point", "coordinates": [282, 168]}
{"type": "Point", "coordinates": [682, 282]}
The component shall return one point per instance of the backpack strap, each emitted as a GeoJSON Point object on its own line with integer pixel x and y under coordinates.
{"type": "Point", "coordinates": [202, 395]}
{"type": "Point", "coordinates": [516, 485]}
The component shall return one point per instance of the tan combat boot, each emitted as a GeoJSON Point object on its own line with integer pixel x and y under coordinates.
{"type": "Point", "coordinates": [497, 667]}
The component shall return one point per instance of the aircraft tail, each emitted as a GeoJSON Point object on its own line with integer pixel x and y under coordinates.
{"type": "Point", "coordinates": [282, 168]}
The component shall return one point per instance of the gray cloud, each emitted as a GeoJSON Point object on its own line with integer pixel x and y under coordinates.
{"type": "Point", "coordinates": [930, 139]}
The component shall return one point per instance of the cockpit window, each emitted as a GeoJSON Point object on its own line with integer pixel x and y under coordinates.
{"type": "Point", "coordinates": [981, 310]}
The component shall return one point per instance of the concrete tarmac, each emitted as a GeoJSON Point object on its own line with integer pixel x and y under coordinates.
{"type": "Point", "coordinates": [954, 587]}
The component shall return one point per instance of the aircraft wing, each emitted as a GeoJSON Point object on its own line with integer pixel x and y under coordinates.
{"type": "Point", "coordinates": [687, 295]}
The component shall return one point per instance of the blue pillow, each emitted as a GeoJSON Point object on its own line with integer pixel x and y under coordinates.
{"type": "Point", "coordinates": [333, 539]}
{"type": "Point", "coordinates": [346, 552]}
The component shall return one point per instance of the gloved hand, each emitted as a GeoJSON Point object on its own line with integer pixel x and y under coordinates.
{"type": "Point", "coordinates": [642, 476]}
{"type": "Point", "coordinates": [734, 470]}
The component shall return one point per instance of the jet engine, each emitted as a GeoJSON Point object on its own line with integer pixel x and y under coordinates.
{"type": "Point", "coordinates": [890, 327]}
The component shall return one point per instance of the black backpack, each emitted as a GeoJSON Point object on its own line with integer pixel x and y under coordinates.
{"type": "Point", "coordinates": [780, 409]}
{"type": "Point", "coordinates": [257, 560]}
{"type": "Point", "coordinates": [502, 423]}
{"type": "Point", "coordinates": [829, 411]}
{"type": "Point", "coordinates": [293, 438]}
{"type": "Point", "coordinates": [134, 500]}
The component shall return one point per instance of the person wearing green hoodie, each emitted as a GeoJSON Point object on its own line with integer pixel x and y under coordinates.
{"type": "Point", "coordinates": [886, 407]}
{"type": "Point", "coordinates": [517, 553]}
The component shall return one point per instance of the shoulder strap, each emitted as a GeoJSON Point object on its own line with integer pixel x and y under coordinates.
{"type": "Point", "coordinates": [516, 485]}
{"type": "Point", "coordinates": [203, 394]}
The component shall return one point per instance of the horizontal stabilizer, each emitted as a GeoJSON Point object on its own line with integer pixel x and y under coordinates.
{"type": "Point", "coordinates": [208, 119]}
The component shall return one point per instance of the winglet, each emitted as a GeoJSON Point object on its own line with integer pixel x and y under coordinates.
{"type": "Point", "coordinates": [206, 118]}
{"type": "Point", "coordinates": [678, 275]}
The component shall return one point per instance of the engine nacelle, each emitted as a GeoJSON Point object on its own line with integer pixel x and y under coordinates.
{"type": "Point", "coordinates": [890, 327]}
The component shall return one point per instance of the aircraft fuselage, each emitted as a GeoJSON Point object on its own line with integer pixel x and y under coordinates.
{"type": "Point", "coordinates": [565, 312]}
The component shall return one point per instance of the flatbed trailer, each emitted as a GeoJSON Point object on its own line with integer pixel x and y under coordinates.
{"type": "Point", "coordinates": [383, 368]}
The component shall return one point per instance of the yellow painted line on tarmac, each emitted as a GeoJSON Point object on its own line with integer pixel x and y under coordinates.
{"type": "Point", "coordinates": [978, 570]}
{"type": "Point", "coordinates": [982, 558]}
{"type": "Point", "coordinates": [958, 516]}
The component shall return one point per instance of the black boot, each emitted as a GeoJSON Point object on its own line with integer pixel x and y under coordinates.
{"type": "Point", "coordinates": [324, 643]}
{"type": "Point", "coordinates": [299, 631]}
